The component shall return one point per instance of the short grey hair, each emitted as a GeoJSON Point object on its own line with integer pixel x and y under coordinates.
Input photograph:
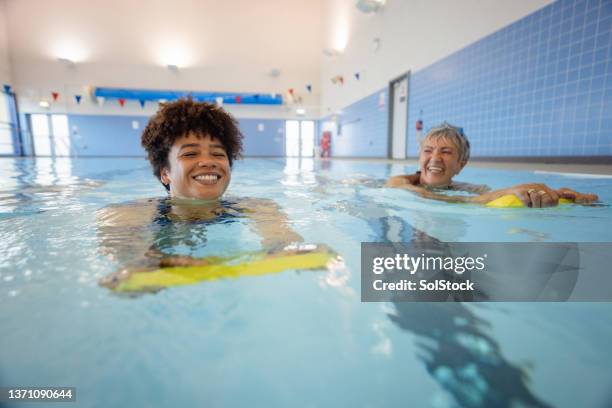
{"type": "Point", "coordinates": [453, 133]}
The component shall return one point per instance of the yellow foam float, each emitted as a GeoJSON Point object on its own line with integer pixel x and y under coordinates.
{"type": "Point", "coordinates": [252, 265]}
{"type": "Point", "coordinates": [512, 201]}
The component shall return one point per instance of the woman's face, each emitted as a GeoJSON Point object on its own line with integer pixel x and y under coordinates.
{"type": "Point", "coordinates": [198, 168]}
{"type": "Point", "coordinates": [439, 162]}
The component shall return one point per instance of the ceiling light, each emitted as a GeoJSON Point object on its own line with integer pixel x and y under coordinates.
{"type": "Point", "coordinates": [69, 51]}
{"type": "Point", "coordinates": [44, 104]}
{"type": "Point", "coordinates": [300, 111]}
{"type": "Point", "coordinates": [174, 53]}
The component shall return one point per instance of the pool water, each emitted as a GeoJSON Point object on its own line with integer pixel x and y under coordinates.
{"type": "Point", "coordinates": [297, 338]}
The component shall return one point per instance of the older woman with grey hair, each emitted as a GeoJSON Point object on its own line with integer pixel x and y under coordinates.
{"type": "Point", "coordinates": [444, 152]}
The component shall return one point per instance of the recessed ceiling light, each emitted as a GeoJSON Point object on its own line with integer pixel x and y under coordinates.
{"type": "Point", "coordinates": [44, 104]}
{"type": "Point", "coordinates": [300, 111]}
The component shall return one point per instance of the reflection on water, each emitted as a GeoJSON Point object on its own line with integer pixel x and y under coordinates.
{"type": "Point", "coordinates": [456, 350]}
{"type": "Point", "coordinates": [329, 349]}
{"type": "Point", "coordinates": [462, 357]}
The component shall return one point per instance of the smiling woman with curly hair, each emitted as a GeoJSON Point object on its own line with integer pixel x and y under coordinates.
{"type": "Point", "coordinates": [191, 147]}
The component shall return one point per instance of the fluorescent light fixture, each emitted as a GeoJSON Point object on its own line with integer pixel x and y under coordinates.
{"type": "Point", "coordinates": [342, 35]}
{"type": "Point", "coordinates": [300, 111]}
{"type": "Point", "coordinates": [44, 104]}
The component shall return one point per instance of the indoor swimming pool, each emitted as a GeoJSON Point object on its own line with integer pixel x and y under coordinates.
{"type": "Point", "coordinates": [298, 338]}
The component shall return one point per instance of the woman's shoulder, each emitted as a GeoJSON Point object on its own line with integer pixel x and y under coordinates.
{"type": "Point", "coordinates": [130, 213]}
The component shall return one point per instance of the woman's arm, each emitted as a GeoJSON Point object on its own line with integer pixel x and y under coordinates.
{"type": "Point", "coordinates": [533, 195]}
{"type": "Point", "coordinates": [271, 223]}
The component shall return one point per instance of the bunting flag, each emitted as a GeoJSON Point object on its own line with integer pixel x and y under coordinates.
{"type": "Point", "coordinates": [122, 102]}
{"type": "Point", "coordinates": [78, 99]}
{"type": "Point", "coordinates": [256, 97]}
{"type": "Point", "coordinates": [238, 99]}
{"type": "Point", "coordinates": [357, 76]}
{"type": "Point", "coordinates": [142, 103]}
{"type": "Point", "coordinates": [55, 95]}
{"type": "Point", "coordinates": [309, 88]}
{"type": "Point", "coordinates": [338, 79]}
{"type": "Point", "coordinates": [100, 100]}
{"type": "Point", "coordinates": [7, 88]}
{"type": "Point", "coordinates": [290, 98]}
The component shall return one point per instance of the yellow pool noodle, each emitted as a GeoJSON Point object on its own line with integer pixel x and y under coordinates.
{"type": "Point", "coordinates": [187, 275]}
{"type": "Point", "coordinates": [512, 201]}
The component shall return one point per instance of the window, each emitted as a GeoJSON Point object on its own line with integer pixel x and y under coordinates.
{"type": "Point", "coordinates": [61, 134]}
{"type": "Point", "coordinates": [6, 127]}
{"type": "Point", "coordinates": [50, 134]}
{"type": "Point", "coordinates": [299, 138]}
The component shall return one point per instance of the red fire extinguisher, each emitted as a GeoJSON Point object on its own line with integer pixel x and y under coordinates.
{"type": "Point", "coordinates": [326, 144]}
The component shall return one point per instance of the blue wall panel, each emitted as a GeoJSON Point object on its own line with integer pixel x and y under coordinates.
{"type": "Point", "coordinates": [361, 128]}
{"type": "Point", "coordinates": [96, 135]}
{"type": "Point", "coordinates": [541, 86]}
{"type": "Point", "coordinates": [268, 142]}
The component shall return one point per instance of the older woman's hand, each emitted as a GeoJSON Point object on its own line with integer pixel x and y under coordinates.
{"type": "Point", "coordinates": [535, 195]}
{"type": "Point", "coordinates": [578, 198]}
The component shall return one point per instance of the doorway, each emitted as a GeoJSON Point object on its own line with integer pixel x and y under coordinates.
{"type": "Point", "coordinates": [398, 117]}
{"type": "Point", "coordinates": [299, 138]}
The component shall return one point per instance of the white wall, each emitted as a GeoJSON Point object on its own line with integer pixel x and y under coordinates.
{"type": "Point", "coordinates": [222, 46]}
{"type": "Point", "coordinates": [413, 34]}
{"type": "Point", "coordinates": [5, 66]}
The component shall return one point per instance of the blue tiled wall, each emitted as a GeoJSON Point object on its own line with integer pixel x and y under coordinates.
{"type": "Point", "coordinates": [541, 86]}
{"type": "Point", "coordinates": [96, 135]}
{"type": "Point", "coordinates": [362, 129]}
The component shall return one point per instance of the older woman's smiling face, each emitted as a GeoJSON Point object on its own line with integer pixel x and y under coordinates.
{"type": "Point", "coordinates": [198, 168]}
{"type": "Point", "coordinates": [439, 162]}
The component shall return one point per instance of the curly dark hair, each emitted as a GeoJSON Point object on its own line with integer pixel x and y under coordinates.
{"type": "Point", "coordinates": [176, 119]}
